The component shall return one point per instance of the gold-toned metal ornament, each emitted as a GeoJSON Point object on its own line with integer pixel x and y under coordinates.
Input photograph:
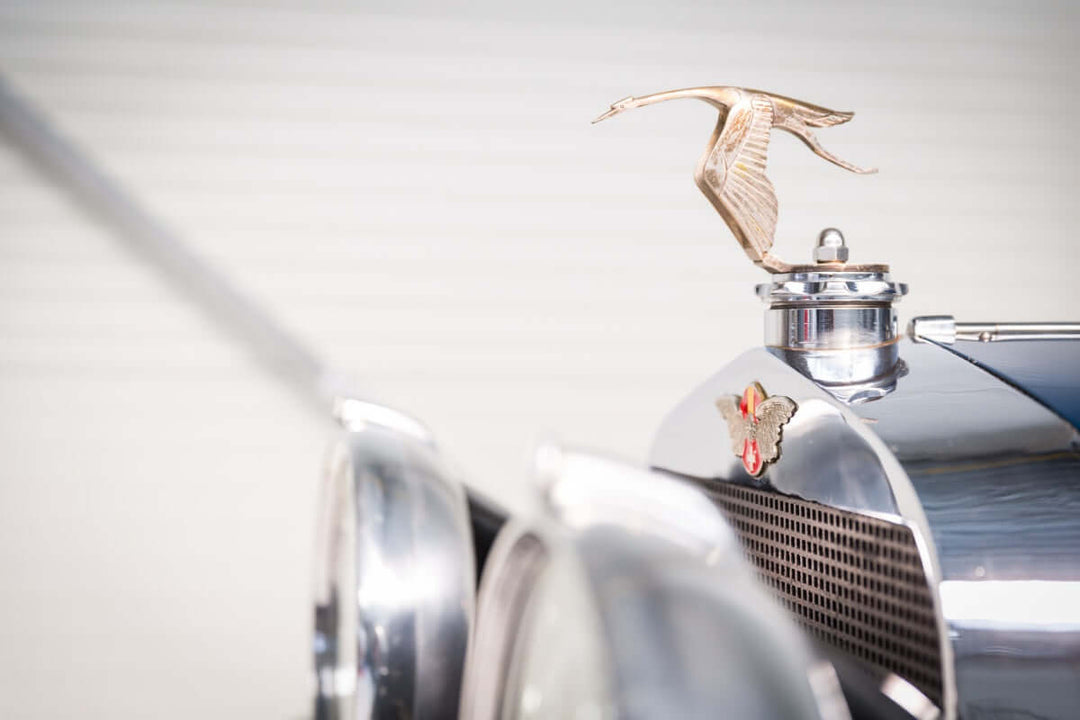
{"type": "Point", "coordinates": [731, 173]}
{"type": "Point", "coordinates": [755, 423]}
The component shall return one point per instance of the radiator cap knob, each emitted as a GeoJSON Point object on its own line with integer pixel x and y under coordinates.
{"type": "Point", "coordinates": [830, 247]}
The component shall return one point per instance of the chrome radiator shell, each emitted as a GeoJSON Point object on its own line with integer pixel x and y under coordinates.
{"type": "Point", "coordinates": [986, 479]}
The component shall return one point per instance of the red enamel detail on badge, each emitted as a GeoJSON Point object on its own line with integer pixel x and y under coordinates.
{"type": "Point", "coordinates": [751, 457]}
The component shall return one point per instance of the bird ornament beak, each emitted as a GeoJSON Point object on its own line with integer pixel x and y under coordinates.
{"type": "Point", "coordinates": [617, 107]}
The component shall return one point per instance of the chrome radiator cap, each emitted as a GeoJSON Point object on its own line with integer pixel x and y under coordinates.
{"type": "Point", "coordinates": [831, 321]}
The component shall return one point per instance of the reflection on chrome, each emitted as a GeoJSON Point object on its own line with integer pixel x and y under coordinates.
{"type": "Point", "coordinates": [611, 492]}
{"type": "Point", "coordinates": [356, 415]}
{"type": "Point", "coordinates": [627, 595]}
{"type": "Point", "coordinates": [395, 582]}
{"type": "Point", "coordinates": [907, 696]}
{"type": "Point", "coordinates": [825, 684]}
{"type": "Point", "coordinates": [1046, 605]}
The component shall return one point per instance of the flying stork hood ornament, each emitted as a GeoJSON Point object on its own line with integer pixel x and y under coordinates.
{"type": "Point", "coordinates": [831, 320]}
{"type": "Point", "coordinates": [731, 173]}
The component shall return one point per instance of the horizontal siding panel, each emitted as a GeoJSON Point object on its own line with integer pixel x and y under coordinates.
{"type": "Point", "coordinates": [416, 192]}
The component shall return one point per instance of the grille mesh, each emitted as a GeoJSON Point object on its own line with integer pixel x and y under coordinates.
{"type": "Point", "coordinates": [853, 581]}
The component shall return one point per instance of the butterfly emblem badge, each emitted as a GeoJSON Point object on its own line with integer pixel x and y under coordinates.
{"type": "Point", "coordinates": [755, 423]}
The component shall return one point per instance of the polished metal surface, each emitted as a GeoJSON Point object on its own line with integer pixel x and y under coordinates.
{"type": "Point", "coordinates": [824, 327]}
{"type": "Point", "coordinates": [515, 562]}
{"type": "Point", "coordinates": [834, 345]}
{"type": "Point", "coordinates": [846, 370]}
{"type": "Point", "coordinates": [731, 173]}
{"type": "Point", "coordinates": [998, 476]}
{"type": "Point", "coordinates": [395, 582]}
{"type": "Point", "coordinates": [831, 287]}
{"type": "Point", "coordinates": [836, 327]}
{"type": "Point", "coordinates": [830, 455]}
{"type": "Point", "coordinates": [1001, 332]}
{"type": "Point", "coordinates": [627, 596]}
{"type": "Point", "coordinates": [986, 478]}
{"type": "Point", "coordinates": [358, 415]}
{"type": "Point", "coordinates": [831, 247]}
{"type": "Point", "coordinates": [1047, 370]}
{"type": "Point", "coordinates": [944, 329]}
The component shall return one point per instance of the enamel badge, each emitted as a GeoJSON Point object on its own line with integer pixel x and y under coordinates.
{"type": "Point", "coordinates": [755, 423]}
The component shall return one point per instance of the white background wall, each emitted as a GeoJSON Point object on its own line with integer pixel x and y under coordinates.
{"type": "Point", "coordinates": [416, 190]}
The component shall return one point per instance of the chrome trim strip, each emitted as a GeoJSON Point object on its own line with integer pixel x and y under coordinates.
{"type": "Point", "coordinates": [944, 329]}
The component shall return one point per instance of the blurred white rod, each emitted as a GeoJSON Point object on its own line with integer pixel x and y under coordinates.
{"type": "Point", "coordinates": [65, 164]}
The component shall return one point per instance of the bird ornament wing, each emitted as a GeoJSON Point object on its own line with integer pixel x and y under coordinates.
{"type": "Point", "coordinates": [739, 428]}
{"type": "Point", "coordinates": [772, 414]}
{"type": "Point", "coordinates": [731, 174]}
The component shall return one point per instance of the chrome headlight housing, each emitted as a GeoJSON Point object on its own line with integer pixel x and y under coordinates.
{"type": "Point", "coordinates": [628, 595]}
{"type": "Point", "coordinates": [395, 582]}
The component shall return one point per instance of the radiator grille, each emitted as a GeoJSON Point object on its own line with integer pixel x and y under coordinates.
{"type": "Point", "coordinates": [852, 581]}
